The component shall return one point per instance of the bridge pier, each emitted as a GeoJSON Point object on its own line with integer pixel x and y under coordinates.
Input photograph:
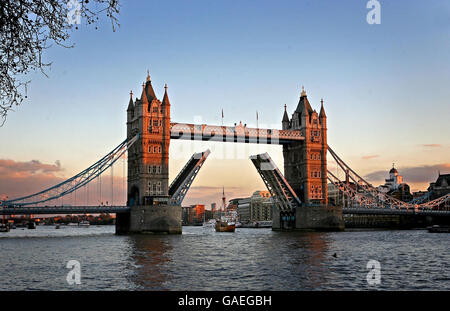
{"type": "Point", "coordinates": [150, 219]}
{"type": "Point", "coordinates": [309, 218]}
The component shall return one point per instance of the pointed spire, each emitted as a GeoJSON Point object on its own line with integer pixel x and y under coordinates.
{"type": "Point", "coordinates": [166, 97]}
{"type": "Point", "coordinates": [322, 110]}
{"type": "Point", "coordinates": [285, 115]}
{"type": "Point", "coordinates": [303, 104]}
{"type": "Point", "coordinates": [144, 98]}
{"type": "Point", "coordinates": [303, 93]}
{"type": "Point", "coordinates": [149, 92]}
{"type": "Point", "coordinates": [130, 104]}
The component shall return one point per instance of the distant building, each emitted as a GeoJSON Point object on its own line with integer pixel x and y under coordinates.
{"type": "Point", "coordinates": [419, 194]}
{"type": "Point", "coordinates": [233, 204]}
{"type": "Point", "coordinates": [194, 214]}
{"type": "Point", "coordinates": [440, 187]}
{"type": "Point", "coordinates": [394, 181]}
{"type": "Point", "coordinates": [258, 207]}
{"type": "Point", "coordinates": [395, 187]}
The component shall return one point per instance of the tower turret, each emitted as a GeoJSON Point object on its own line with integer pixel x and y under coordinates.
{"type": "Point", "coordinates": [285, 121]}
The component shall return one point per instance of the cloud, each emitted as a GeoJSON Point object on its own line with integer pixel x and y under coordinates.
{"type": "Point", "coordinates": [368, 157]}
{"type": "Point", "coordinates": [432, 145]}
{"type": "Point", "coordinates": [30, 167]}
{"type": "Point", "coordinates": [22, 178]}
{"type": "Point", "coordinates": [19, 179]}
{"type": "Point", "coordinates": [413, 174]}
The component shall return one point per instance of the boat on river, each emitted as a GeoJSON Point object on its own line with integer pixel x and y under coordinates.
{"type": "Point", "coordinates": [225, 226]}
{"type": "Point", "coordinates": [439, 229]}
{"type": "Point", "coordinates": [4, 228]}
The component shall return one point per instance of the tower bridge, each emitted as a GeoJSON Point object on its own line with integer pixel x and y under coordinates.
{"type": "Point", "coordinates": [300, 196]}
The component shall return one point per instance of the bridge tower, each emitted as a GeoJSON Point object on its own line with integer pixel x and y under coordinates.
{"type": "Point", "coordinates": [305, 167]}
{"type": "Point", "coordinates": [305, 162]}
{"type": "Point", "coordinates": [148, 165]}
{"type": "Point", "coordinates": [148, 159]}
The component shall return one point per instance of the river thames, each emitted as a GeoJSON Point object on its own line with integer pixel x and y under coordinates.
{"type": "Point", "coordinates": [201, 259]}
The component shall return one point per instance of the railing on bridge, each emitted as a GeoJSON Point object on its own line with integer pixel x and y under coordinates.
{"type": "Point", "coordinates": [238, 133]}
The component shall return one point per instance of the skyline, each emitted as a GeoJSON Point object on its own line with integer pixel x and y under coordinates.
{"type": "Point", "coordinates": [385, 95]}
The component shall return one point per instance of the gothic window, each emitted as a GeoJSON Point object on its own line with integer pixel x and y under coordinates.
{"type": "Point", "coordinates": [155, 149]}
{"type": "Point", "coordinates": [155, 109]}
{"type": "Point", "coordinates": [154, 169]}
{"type": "Point", "coordinates": [158, 188]}
{"type": "Point", "coordinates": [149, 169]}
{"type": "Point", "coordinates": [155, 122]}
{"type": "Point", "coordinates": [159, 149]}
{"type": "Point", "coordinates": [150, 149]}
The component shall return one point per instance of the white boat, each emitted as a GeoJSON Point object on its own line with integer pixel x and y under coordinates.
{"type": "Point", "coordinates": [84, 223]}
{"type": "Point", "coordinates": [210, 223]}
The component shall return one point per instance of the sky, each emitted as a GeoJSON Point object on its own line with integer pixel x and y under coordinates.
{"type": "Point", "coordinates": [385, 89]}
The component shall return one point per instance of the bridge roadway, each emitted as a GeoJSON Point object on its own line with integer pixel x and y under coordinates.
{"type": "Point", "coordinates": [21, 210]}
{"type": "Point", "coordinates": [234, 134]}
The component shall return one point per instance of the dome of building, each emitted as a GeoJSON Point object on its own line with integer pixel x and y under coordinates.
{"type": "Point", "coordinates": [393, 171]}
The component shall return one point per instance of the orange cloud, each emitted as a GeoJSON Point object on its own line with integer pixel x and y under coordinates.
{"type": "Point", "coordinates": [19, 179]}
{"type": "Point", "coordinates": [368, 157]}
{"type": "Point", "coordinates": [432, 145]}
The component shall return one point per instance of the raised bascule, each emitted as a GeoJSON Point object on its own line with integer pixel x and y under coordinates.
{"type": "Point", "coordinates": [300, 196]}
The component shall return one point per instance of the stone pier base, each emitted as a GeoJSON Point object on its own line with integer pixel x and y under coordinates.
{"type": "Point", "coordinates": [310, 218]}
{"type": "Point", "coordinates": [157, 219]}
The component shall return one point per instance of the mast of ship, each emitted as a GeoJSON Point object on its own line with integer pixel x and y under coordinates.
{"type": "Point", "coordinates": [223, 200]}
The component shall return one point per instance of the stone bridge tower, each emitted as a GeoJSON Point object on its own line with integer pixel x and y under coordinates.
{"type": "Point", "coordinates": [148, 159]}
{"type": "Point", "coordinates": [305, 163]}
{"type": "Point", "coordinates": [148, 166]}
{"type": "Point", "coordinates": [305, 169]}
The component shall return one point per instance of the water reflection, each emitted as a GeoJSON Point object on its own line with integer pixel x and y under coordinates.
{"type": "Point", "coordinates": [150, 256]}
{"type": "Point", "coordinates": [249, 259]}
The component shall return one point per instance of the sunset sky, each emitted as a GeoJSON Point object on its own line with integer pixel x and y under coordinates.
{"type": "Point", "coordinates": [385, 89]}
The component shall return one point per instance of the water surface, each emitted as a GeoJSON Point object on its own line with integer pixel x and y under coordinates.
{"type": "Point", "coordinates": [201, 259]}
